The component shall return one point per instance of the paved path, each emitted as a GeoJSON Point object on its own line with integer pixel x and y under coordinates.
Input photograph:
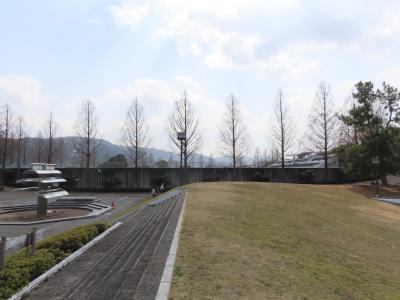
{"type": "Point", "coordinates": [127, 264]}
{"type": "Point", "coordinates": [389, 200]}
{"type": "Point", "coordinates": [122, 201]}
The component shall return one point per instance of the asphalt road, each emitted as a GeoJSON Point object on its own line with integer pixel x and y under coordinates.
{"type": "Point", "coordinates": [122, 201]}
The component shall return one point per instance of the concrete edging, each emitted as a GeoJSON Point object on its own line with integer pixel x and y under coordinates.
{"type": "Point", "coordinates": [62, 264]}
{"type": "Point", "coordinates": [389, 200]}
{"type": "Point", "coordinates": [90, 215]}
{"type": "Point", "coordinates": [166, 279]}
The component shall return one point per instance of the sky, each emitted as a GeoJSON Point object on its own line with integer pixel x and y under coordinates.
{"type": "Point", "coordinates": [55, 54]}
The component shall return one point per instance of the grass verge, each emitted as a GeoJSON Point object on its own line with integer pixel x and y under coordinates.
{"type": "Point", "coordinates": [286, 241]}
{"type": "Point", "coordinates": [20, 269]}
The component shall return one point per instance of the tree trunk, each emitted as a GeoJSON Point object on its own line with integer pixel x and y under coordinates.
{"type": "Point", "coordinates": [87, 162]}
{"type": "Point", "coordinates": [383, 174]}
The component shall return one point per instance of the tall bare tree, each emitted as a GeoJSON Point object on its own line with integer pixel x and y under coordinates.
{"type": "Point", "coordinates": [12, 147]}
{"type": "Point", "coordinates": [135, 133]}
{"type": "Point", "coordinates": [201, 160]}
{"type": "Point", "coordinates": [283, 131]}
{"type": "Point", "coordinates": [323, 123]}
{"type": "Point", "coordinates": [210, 161]}
{"type": "Point", "coordinates": [37, 145]}
{"type": "Point", "coordinates": [233, 133]}
{"type": "Point", "coordinates": [183, 119]}
{"type": "Point", "coordinates": [20, 143]}
{"type": "Point", "coordinates": [50, 132]}
{"type": "Point", "coordinates": [347, 133]}
{"type": "Point", "coordinates": [86, 128]}
{"type": "Point", "coordinates": [60, 150]}
{"type": "Point", "coordinates": [6, 123]}
{"type": "Point", "coordinates": [6, 130]}
{"type": "Point", "coordinates": [26, 146]}
{"type": "Point", "coordinates": [257, 158]}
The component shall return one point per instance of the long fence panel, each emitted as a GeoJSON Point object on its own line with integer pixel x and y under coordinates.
{"type": "Point", "coordinates": [147, 178]}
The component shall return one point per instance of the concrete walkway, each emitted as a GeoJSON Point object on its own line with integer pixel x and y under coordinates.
{"type": "Point", "coordinates": [127, 264]}
{"type": "Point", "coordinates": [389, 200]}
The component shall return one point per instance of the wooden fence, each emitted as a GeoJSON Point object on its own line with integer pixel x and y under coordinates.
{"type": "Point", "coordinates": [146, 178]}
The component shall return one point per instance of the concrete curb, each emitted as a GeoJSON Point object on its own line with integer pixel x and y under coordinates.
{"type": "Point", "coordinates": [389, 200]}
{"type": "Point", "coordinates": [62, 264]}
{"type": "Point", "coordinates": [166, 279]}
{"type": "Point", "coordinates": [91, 215]}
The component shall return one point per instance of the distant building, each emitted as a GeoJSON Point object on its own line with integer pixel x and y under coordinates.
{"type": "Point", "coordinates": [309, 160]}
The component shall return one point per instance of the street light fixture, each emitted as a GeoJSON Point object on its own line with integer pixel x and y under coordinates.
{"type": "Point", "coordinates": [376, 162]}
{"type": "Point", "coordinates": [181, 135]}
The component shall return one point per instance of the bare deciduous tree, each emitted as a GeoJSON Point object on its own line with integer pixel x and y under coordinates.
{"type": "Point", "coordinates": [60, 150]}
{"type": "Point", "coordinates": [37, 151]}
{"type": "Point", "coordinates": [183, 119]}
{"type": "Point", "coordinates": [50, 132]}
{"type": "Point", "coordinates": [233, 133]}
{"type": "Point", "coordinates": [347, 133]}
{"type": "Point", "coordinates": [21, 135]}
{"type": "Point", "coordinates": [6, 129]}
{"type": "Point", "coordinates": [283, 134]}
{"type": "Point", "coordinates": [86, 128]}
{"type": "Point", "coordinates": [201, 160]}
{"type": "Point", "coordinates": [135, 133]}
{"type": "Point", "coordinates": [257, 158]}
{"type": "Point", "coordinates": [6, 123]}
{"type": "Point", "coordinates": [210, 161]}
{"type": "Point", "coordinates": [323, 124]}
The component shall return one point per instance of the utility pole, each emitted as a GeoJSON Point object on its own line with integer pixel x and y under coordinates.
{"type": "Point", "coordinates": [375, 162]}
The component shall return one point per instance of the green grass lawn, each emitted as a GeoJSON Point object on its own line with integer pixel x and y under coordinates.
{"type": "Point", "coordinates": [284, 241]}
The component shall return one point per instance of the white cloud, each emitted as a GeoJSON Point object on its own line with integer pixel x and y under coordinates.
{"type": "Point", "coordinates": [289, 67]}
{"type": "Point", "coordinates": [22, 91]}
{"type": "Point", "coordinates": [149, 90]}
{"type": "Point", "coordinates": [126, 15]}
{"type": "Point", "coordinates": [391, 76]}
{"type": "Point", "coordinates": [389, 24]}
{"type": "Point", "coordinates": [25, 96]}
{"type": "Point", "coordinates": [236, 50]}
{"type": "Point", "coordinates": [220, 60]}
{"type": "Point", "coordinates": [223, 8]}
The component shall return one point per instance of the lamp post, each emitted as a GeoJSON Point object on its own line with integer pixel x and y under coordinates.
{"type": "Point", "coordinates": [182, 138]}
{"type": "Point", "coordinates": [375, 162]}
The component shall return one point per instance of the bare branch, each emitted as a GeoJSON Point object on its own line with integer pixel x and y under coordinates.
{"type": "Point", "coordinates": [183, 119]}
{"type": "Point", "coordinates": [233, 133]}
{"type": "Point", "coordinates": [86, 129]}
{"type": "Point", "coordinates": [323, 124]}
{"type": "Point", "coordinates": [50, 130]}
{"type": "Point", "coordinates": [135, 133]}
{"type": "Point", "coordinates": [283, 129]}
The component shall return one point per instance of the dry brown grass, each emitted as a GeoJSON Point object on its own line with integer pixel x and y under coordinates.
{"type": "Point", "coordinates": [284, 241]}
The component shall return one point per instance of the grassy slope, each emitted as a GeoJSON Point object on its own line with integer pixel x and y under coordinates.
{"type": "Point", "coordinates": [263, 241]}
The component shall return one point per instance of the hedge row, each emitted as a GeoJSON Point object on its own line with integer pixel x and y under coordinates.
{"type": "Point", "coordinates": [20, 270]}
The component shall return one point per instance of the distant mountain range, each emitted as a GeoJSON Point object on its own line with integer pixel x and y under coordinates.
{"type": "Point", "coordinates": [65, 158]}
{"type": "Point", "coordinates": [109, 149]}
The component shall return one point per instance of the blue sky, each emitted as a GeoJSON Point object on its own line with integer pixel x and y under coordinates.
{"type": "Point", "coordinates": [55, 54]}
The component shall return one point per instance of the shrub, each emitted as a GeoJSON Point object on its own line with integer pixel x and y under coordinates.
{"type": "Point", "coordinates": [20, 270]}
